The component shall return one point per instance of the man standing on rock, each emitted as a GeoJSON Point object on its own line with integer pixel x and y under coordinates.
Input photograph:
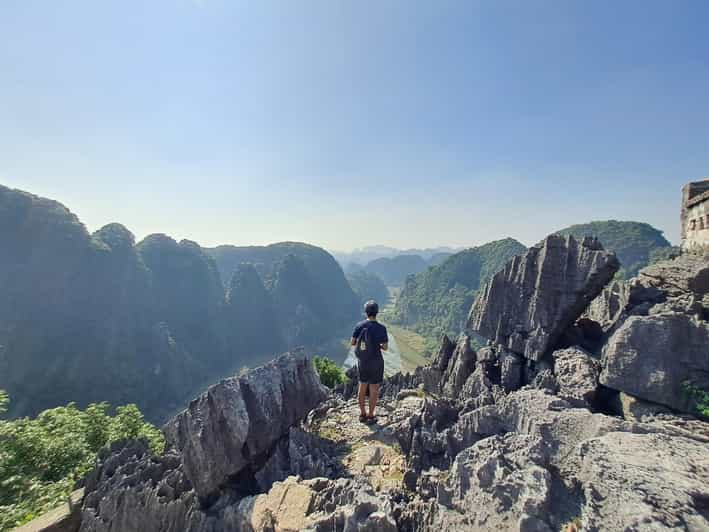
{"type": "Point", "coordinates": [370, 339]}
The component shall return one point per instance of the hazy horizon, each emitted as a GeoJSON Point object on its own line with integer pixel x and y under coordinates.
{"type": "Point", "coordinates": [348, 124]}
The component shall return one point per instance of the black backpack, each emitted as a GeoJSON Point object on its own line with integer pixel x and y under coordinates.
{"type": "Point", "coordinates": [364, 349]}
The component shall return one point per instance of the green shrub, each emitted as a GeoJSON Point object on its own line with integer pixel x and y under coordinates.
{"type": "Point", "coordinates": [700, 397]}
{"type": "Point", "coordinates": [42, 458]}
{"type": "Point", "coordinates": [330, 373]}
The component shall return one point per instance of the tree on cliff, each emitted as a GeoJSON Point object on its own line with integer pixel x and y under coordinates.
{"type": "Point", "coordinates": [41, 459]}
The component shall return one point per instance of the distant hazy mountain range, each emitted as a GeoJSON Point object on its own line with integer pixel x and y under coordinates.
{"type": "Point", "coordinates": [96, 317]}
{"type": "Point", "coordinates": [391, 265]}
{"type": "Point", "coordinates": [363, 256]}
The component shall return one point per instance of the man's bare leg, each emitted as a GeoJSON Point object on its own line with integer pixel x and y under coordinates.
{"type": "Point", "coordinates": [373, 398]}
{"type": "Point", "coordinates": [361, 396]}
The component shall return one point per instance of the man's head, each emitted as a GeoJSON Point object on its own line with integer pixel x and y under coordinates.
{"type": "Point", "coordinates": [371, 308]}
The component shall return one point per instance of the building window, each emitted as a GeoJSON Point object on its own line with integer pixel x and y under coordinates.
{"type": "Point", "coordinates": [701, 223]}
{"type": "Point", "coordinates": [692, 225]}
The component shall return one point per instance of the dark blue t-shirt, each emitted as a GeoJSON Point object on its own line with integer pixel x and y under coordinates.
{"type": "Point", "coordinates": [376, 331]}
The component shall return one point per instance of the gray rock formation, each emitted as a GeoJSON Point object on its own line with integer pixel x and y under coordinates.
{"type": "Point", "coordinates": [576, 374]}
{"type": "Point", "coordinates": [224, 446]}
{"type": "Point", "coordinates": [511, 368]}
{"type": "Point", "coordinates": [663, 342]}
{"type": "Point", "coordinates": [651, 357]}
{"type": "Point", "coordinates": [686, 274]}
{"type": "Point", "coordinates": [527, 306]}
{"type": "Point", "coordinates": [609, 306]}
{"type": "Point", "coordinates": [532, 462]}
{"type": "Point", "coordinates": [458, 367]}
{"type": "Point", "coordinates": [235, 423]}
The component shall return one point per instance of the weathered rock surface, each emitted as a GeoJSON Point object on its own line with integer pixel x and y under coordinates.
{"type": "Point", "coordinates": [651, 357]}
{"type": "Point", "coordinates": [661, 340]}
{"type": "Point", "coordinates": [577, 374]}
{"type": "Point", "coordinates": [634, 409]}
{"type": "Point", "coordinates": [235, 423]}
{"type": "Point", "coordinates": [532, 462]}
{"type": "Point", "coordinates": [687, 273]}
{"type": "Point", "coordinates": [608, 307]}
{"type": "Point", "coordinates": [643, 482]}
{"type": "Point", "coordinates": [527, 306]}
{"type": "Point", "coordinates": [459, 366]}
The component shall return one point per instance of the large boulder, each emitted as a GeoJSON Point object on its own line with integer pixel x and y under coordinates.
{"type": "Point", "coordinates": [236, 422]}
{"type": "Point", "coordinates": [687, 273]}
{"type": "Point", "coordinates": [576, 374]}
{"type": "Point", "coordinates": [643, 482]}
{"type": "Point", "coordinates": [653, 357]}
{"type": "Point", "coordinates": [528, 305]}
{"type": "Point", "coordinates": [501, 472]}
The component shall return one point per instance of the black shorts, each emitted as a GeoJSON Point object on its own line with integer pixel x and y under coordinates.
{"type": "Point", "coordinates": [371, 371]}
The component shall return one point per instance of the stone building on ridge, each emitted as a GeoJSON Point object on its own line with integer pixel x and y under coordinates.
{"type": "Point", "coordinates": [695, 215]}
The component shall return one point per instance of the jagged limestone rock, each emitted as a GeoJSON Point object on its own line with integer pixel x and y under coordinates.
{"type": "Point", "coordinates": [444, 353]}
{"type": "Point", "coordinates": [511, 368]}
{"type": "Point", "coordinates": [685, 274]}
{"type": "Point", "coordinates": [643, 482]}
{"type": "Point", "coordinates": [528, 306]}
{"type": "Point", "coordinates": [237, 421]}
{"type": "Point", "coordinates": [608, 307]}
{"type": "Point", "coordinates": [499, 472]}
{"type": "Point", "coordinates": [576, 374]}
{"type": "Point", "coordinates": [459, 367]}
{"type": "Point", "coordinates": [652, 357]}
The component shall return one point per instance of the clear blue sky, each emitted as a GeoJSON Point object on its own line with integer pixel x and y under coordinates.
{"type": "Point", "coordinates": [353, 123]}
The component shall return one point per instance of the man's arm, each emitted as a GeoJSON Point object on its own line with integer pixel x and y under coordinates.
{"type": "Point", "coordinates": [355, 335]}
{"type": "Point", "coordinates": [385, 340]}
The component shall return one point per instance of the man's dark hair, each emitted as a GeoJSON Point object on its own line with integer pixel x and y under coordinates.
{"type": "Point", "coordinates": [371, 308]}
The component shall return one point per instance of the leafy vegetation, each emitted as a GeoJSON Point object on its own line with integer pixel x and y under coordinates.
{"type": "Point", "coordinates": [634, 243]}
{"type": "Point", "coordinates": [660, 254]}
{"type": "Point", "coordinates": [437, 300]}
{"type": "Point", "coordinates": [41, 459]}
{"type": "Point", "coordinates": [330, 373]}
{"type": "Point", "coordinates": [700, 397]}
{"type": "Point", "coordinates": [368, 286]}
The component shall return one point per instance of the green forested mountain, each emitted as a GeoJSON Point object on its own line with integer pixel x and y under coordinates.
{"type": "Point", "coordinates": [634, 243]}
{"type": "Point", "coordinates": [438, 299]}
{"type": "Point", "coordinates": [303, 280]}
{"type": "Point", "coordinates": [95, 317]}
{"type": "Point", "coordinates": [393, 270]}
{"type": "Point", "coordinates": [368, 286]}
{"type": "Point", "coordinates": [251, 306]}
